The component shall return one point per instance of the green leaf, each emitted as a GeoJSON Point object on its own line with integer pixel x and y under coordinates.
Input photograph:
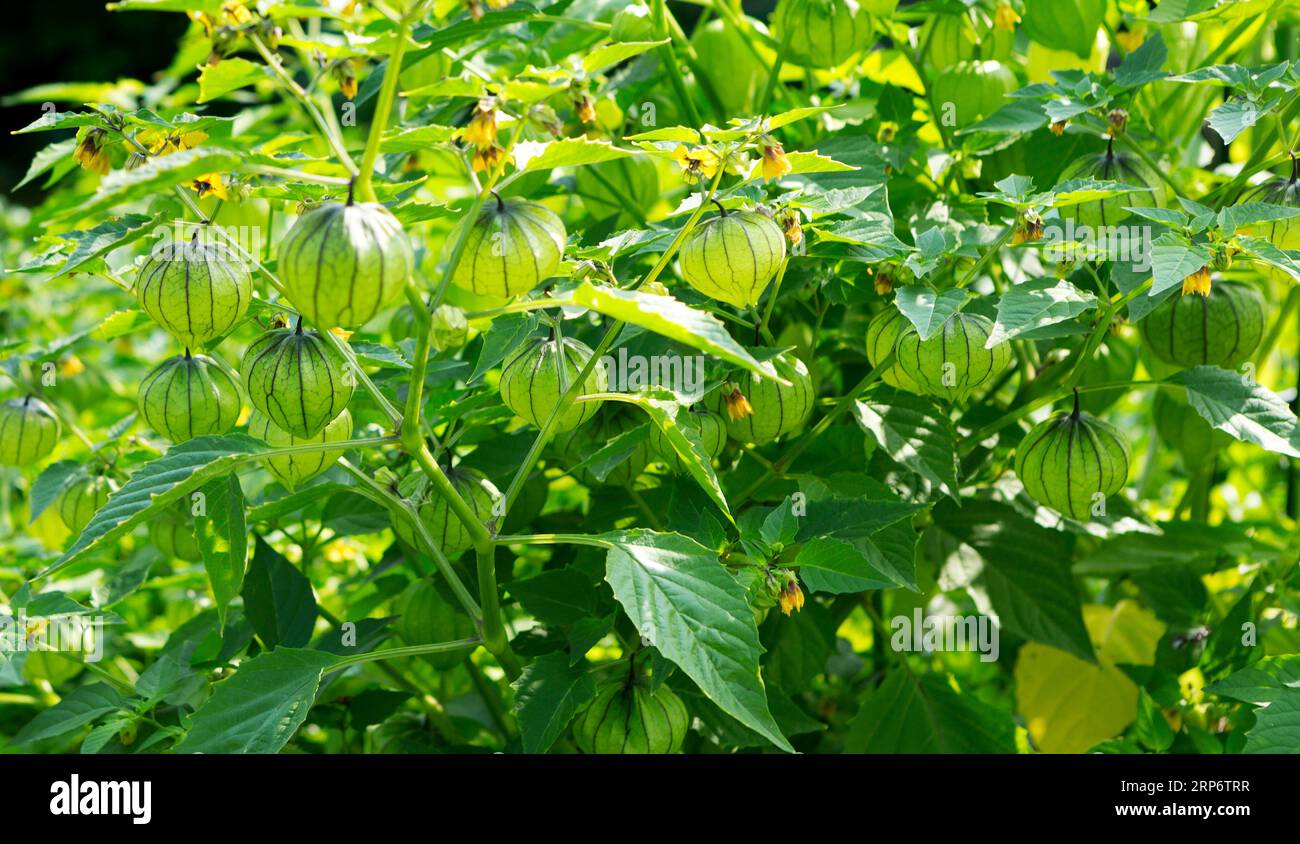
{"type": "Point", "coordinates": [278, 599]}
{"type": "Point", "coordinates": [671, 318]}
{"type": "Point", "coordinates": [926, 309]}
{"type": "Point", "coordinates": [1234, 403]}
{"type": "Point", "coordinates": [153, 177]}
{"type": "Point", "coordinates": [47, 158]}
{"type": "Point", "coordinates": [910, 714]}
{"type": "Point", "coordinates": [1151, 729]}
{"type": "Point", "coordinates": [1144, 64]}
{"type": "Point", "coordinates": [104, 238]}
{"type": "Point", "coordinates": [1035, 304]}
{"type": "Point", "coordinates": [77, 708]}
{"type": "Point", "coordinates": [1236, 116]}
{"type": "Point", "coordinates": [688, 446]}
{"type": "Point", "coordinates": [1173, 260]}
{"type": "Point", "coordinates": [49, 484]}
{"type": "Point", "coordinates": [260, 708]}
{"type": "Point", "coordinates": [561, 596]}
{"type": "Point", "coordinates": [548, 694]}
{"type": "Point", "coordinates": [1277, 727]}
{"type": "Point", "coordinates": [229, 74]}
{"type": "Point", "coordinates": [682, 600]}
{"type": "Point", "coordinates": [533, 156]}
{"type": "Point", "coordinates": [840, 567]}
{"type": "Point", "coordinates": [1025, 571]}
{"type": "Point", "coordinates": [915, 433]}
{"type": "Point", "coordinates": [223, 538]}
{"type": "Point", "coordinates": [1064, 24]}
{"type": "Point", "coordinates": [1270, 679]}
{"type": "Point", "coordinates": [608, 55]}
{"type": "Point", "coordinates": [156, 485]}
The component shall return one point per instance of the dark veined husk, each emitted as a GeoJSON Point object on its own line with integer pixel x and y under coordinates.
{"type": "Point", "coordinates": [1221, 329]}
{"type": "Point", "coordinates": [1112, 166]}
{"type": "Point", "coordinates": [776, 409]}
{"type": "Point", "coordinates": [296, 379]}
{"type": "Point", "coordinates": [342, 264]}
{"type": "Point", "coordinates": [190, 396]}
{"type": "Point", "coordinates": [197, 291]}
{"type": "Point", "coordinates": [294, 469]}
{"type": "Point", "coordinates": [733, 257]}
{"type": "Point", "coordinates": [512, 247]}
{"type": "Point", "coordinates": [445, 527]}
{"type": "Point", "coordinates": [708, 427]}
{"type": "Point", "coordinates": [1069, 459]}
{"type": "Point", "coordinates": [81, 498]}
{"type": "Point", "coordinates": [950, 365]}
{"type": "Point", "coordinates": [29, 431]}
{"type": "Point", "coordinates": [631, 719]}
{"type": "Point", "coordinates": [821, 33]}
{"type": "Point", "coordinates": [530, 382]}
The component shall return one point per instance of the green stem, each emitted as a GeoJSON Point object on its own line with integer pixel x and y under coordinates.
{"type": "Point", "coordinates": [668, 58]}
{"type": "Point", "coordinates": [384, 105]}
{"type": "Point", "coordinates": [410, 650]}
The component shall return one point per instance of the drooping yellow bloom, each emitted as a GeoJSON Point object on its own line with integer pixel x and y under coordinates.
{"type": "Point", "coordinates": [1028, 228]}
{"type": "Point", "coordinates": [1117, 118]}
{"type": "Point", "coordinates": [347, 77]}
{"type": "Point", "coordinates": [165, 143]}
{"type": "Point", "coordinates": [209, 183]}
{"type": "Point", "coordinates": [793, 231]}
{"type": "Point", "coordinates": [90, 152]}
{"type": "Point", "coordinates": [1058, 128]}
{"type": "Point", "coordinates": [1131, 39]}
{"type": "Point", "coordinates": [791, 598]}
{"type": "Point", "coordinates": [775, 164]}
{"type": "Point", "coordinates": [1005, 18]}
{"type": "Point", "coordinates": [585, 108]}
{"type": "Point", "coordinates": [482, 128]}
{"type": "Point", "coordinates": [1198, 282]}
{"type": "Point", "coordinates": [487, 159]}
{"type": "Point", "coordinates": [700, 161]}
{"type": "Point", "coordinates": [738, 407]}
{"type": "Point", "coordinates": [236, 13]}
{"type": "Point", "coordinates": [884, 282]}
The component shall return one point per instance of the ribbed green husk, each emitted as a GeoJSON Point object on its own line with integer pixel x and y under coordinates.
{"type": "Point", "coordinates": [80, 500]}
{"type": "Point", "coordinates": [631, 719]}
{"type": "Point", "coordinates": [1119, 167]}
{"type": "Point", "coordinates": [580, 443]}
{"type": "Point", "coordinates": [960, 342]}
{"type": "Point", "coordinates": [294, 469]}
{"type": "Point", "coordinates": [1284, 234]}
{"type": "Point", "coordinates": [1066, 460]}
{"type": "Point", "coordinates": [732, 258]}
{"type": "Point", "coordinates": [1221, 329]}
{"type": "Point", "coordinates": [29, 431]}
{"type": "Point", "coordinates": [777, 409]}
{"type": "Point", "coordinates": [975, 88]}
{"type": "Point", "coordinates": [530, 383]}
{"type": "Point", "coordinates": [604, 186]}
{"type": "Point", "coordinates": [948, 39]}
{"type": "Point", "coordinates": [172, 533]}
{"type": "Point", "coordinates": [190, 396]}
{"type": "Point", "coordinates": [882, 337]}
{"type": "Point", "coordinates": [821, 33]}
{"type": "Point", "coordinates": [709, 427]}
{"type": "Point", "coordinates": [445, 527]}
{"type": "Point", "coordinates": [427, 617]}
{"type": "Point", "coordinates": [198, 292]}
{"type": "Point", "coordinates": [296, 379]}
{"type": "Point", "coordinates": [342, 264]}
{"type": "Point", "coordinates": [1182, 428]}
{"type": "Point", "coordinates": [1115, 360]}
{"type": "Point", "coordinates": [512, 247]}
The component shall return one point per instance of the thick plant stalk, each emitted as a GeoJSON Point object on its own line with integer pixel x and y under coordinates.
{"type": "Point", "coordinates": [384, 105]}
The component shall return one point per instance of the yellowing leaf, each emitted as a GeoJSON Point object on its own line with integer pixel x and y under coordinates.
{"type": "Point", "coordinates": [1070, 705]}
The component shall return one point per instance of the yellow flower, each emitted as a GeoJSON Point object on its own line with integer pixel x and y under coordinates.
{"type": "Point", "coordinates": [793, 231]}
{"type": "Point", "coordinates": [701, 161]}
{"type": "Point", "coordinates": [1005, 18]}
{"type": "Point", "coordinates": [341, 333]}
{"type": "Point", "coordinates": [585, 108]}
{"type": "Point", "coordinates": [486, 159]}
{"type": "Point", "coordinates": [165, 143]}
{"type": "Point", "coordinates": [884, 282]}
{"type": "Point", "coordinates": [90, 152]}
{"type": "Point", "coordinates": [1198, 282]}
{"type": "Point", "coordinates": [1028, 228]}
{"type": "Point", "coordinates": [1118, 120]}
{"type": "Point", "coordinates": [236, 13]}
{"type": "Point", "coordinates": [201, 17]}
{"type": "Point", "coordinates": [209, 183]}
{"type": "Point", "coordinates": [71, 365]}
{"type": "Point", "coordinates": [738, 407]}
{"type": "Point", "coordinates": [775, 164]}
{"type": "Point", "coordinates": [475, 10]}
{"type": "Point", "coordinates": [791, 597]}
{"type": "Point", "coordinates": [347, 79]}
{"type": "Point", "coordinates": [482, 128]}
{"type": "Point", "coordinates": [1131, 39]}
{"type": "Point", "coordinates": [1058, 128]}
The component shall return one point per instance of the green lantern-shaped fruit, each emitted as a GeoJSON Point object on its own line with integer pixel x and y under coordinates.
{"type": "Point", "coordinates": [609, 188]}
{"type": "Point", "coordinates": [632, 719]}
{"type": "Point", "coordinates": [447, 530]}
{"type": "Point", "coordinates": [29, 431]}
{"type": "Point", "coordinates": [1111, 166]}
{"type": "Point", "coordinates": [821, 33]}
{"type": "Point", "coordinates": [632, 23]}
{"type": "Point", "coordinates": [1284, 234]}
{"type": "Point", "coordinates": [512, 247]}
{"type": "Point", "coordinates": [427, 617]}
{"type": "Point", "coordinates": [947, 40]}
{"type": "Point", "coordinates": [81, 499]}
{"type": "Point", "coordinates": [1114, 361]}
{"type": "Point", "coordinates": [973, 89]}
{"type": "Point", "coordinates": [704, 425]}
{"type": "Point", "coordinates": [582, 443]}
{"type": "Point", "coordinates": [531, 386]}
{"type": "Point", "coordinates": [1072, 462]}
{"type": "Point", "coordinates": [297, 380]}
{"type": "Point", "coordinates": [1180, 426]}
{"type": "Point", "coordinates": [733, 256]}
{"type": "Point", "coordinates": [190, 396]}
{"type": "Point", "coordinates": [343, 263]}
{"type": "Point", "coordinates": [197, 291]}
{"type": "Point", "coordinates": [294, 469]}
{"type": "Point", "coordinates": [1221, 329]}
{"type": "Point", "coordinates": [172, 533]}
{"type": "Point", "coordinates": [882, 337]}
{"type": "Point", "coordinates": [950, 365]}
{"type": "Point", "coordinates": [773, 408]}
